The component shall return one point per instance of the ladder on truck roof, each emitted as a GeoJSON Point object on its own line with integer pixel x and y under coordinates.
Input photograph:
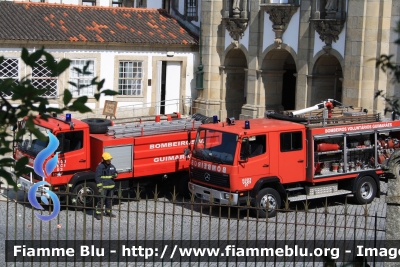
{"type": "Point", "coordinates": [152, 128]}
{"type": "Point", "coordinates": [343, 120]}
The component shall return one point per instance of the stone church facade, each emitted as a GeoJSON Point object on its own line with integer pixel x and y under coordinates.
{"type": "Point", "coordinates": [278, 55]}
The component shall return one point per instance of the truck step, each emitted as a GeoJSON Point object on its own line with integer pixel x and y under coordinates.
{"type": "Point", "coordinates": [323, 195]}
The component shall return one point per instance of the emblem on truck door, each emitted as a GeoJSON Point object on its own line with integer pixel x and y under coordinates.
{"type": "Point", "coordinates": [207, 177]}
{"type": "Point", "coordinates": [246, 181]}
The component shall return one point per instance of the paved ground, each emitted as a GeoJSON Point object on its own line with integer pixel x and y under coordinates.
{"type": "Point", "coordinates": [169, 219]}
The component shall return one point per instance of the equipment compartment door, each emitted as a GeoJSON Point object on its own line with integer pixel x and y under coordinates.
{"type": "Point", "coordinates": [292, 156]}
{"type": "Point", "coordinates": [122, 157]}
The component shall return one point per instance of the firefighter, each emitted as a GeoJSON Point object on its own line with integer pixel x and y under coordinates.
{"type": "Point", "coordinates": [105, 174]}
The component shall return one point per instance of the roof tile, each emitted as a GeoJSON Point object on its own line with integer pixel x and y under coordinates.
{"type": "Point", "coordinates": [172, 35]}
{"type": "Point", "coordinates": [83, 38]}
{"type": "Point", "coordinates": [99, 38]}
{"type": "Point", "coordinates": [51, 22]}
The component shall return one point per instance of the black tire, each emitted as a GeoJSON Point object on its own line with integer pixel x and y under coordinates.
{"type": "Point", "coordinates": [81, 198]}
{"type": "Point", "coordinates": [278, 116]}
{"type": "Point", "coordinates": [267, 203]}
{"type": "Point", "coordinates": [97, 125]}
{"type": "Point", "coordinates": [392, 170]}
{"type": "Point", "coordinates": [202, 118]}
{"type": "Point", "coordinates": [365, 190]}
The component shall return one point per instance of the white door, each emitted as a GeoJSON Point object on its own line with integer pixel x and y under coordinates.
{"type": "Point", "coordinates": [172, 87]}
{"type": "Point", "coordinates": [159, 81]}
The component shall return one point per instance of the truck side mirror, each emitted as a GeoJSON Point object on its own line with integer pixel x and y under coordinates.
{"type": "Point", "coordinates": [244, 150]}
{"type": "Point", "coordinates": [186, 152]}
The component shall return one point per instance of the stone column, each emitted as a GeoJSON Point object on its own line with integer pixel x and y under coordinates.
{"type": "Point", "coordinates": [223, 72]}
{"type": "Point", "coordinates": [208, 101]}
{"type": "Point", "coordinates": [367, 36]}
{"type": "Point", "coordinates": [305, 54]}
{"type": "Point", "coordinates": [251, 108]}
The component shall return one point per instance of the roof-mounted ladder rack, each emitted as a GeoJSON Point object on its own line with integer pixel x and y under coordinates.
{"type": "Point", "coordinates": [152, 128]}
{"type": "Point", "coordinates": [343, 120]}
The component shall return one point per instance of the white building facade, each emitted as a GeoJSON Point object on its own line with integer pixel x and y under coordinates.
{"type": "Point", "coordinates": [145, 55]}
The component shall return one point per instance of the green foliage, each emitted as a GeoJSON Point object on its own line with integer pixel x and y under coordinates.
{"type": "Point", "coordinates": [387, 65]}
{"type": "Point", "coordinates": [33, 103]}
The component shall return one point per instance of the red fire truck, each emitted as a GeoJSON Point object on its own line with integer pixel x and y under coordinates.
{"type": "Point", "coordinates": [291, 158]}
{"type": "Point", "coordinates": [143, 152]}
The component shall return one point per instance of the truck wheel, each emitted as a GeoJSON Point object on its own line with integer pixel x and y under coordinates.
{"type": "Point", "coordinates": [393, 168]}
{"type": "Point", "coordinates": [97, 126]}
{"type": "Point", "coordinates": [267, 202]}
{"type": "Point", "coordinates": [365, 190]}
{"type": "Point", "coordinates": [84, 195]}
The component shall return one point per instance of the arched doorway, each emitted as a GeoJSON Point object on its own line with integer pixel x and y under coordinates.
{"type": "Point", "coordinates": [327, 79]}
{"type": "Point", "coordinates": [235, 82]}
{"type": "Point", "coordinates": [278, 74]}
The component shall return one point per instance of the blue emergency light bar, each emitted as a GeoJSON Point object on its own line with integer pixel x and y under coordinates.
{"type": "Point", "coordinates": [215, 119]}
{"type": "Point", "coordinates": [68, 117]}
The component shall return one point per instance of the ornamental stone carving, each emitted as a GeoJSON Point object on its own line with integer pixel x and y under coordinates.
{"type": "Point", "coordinates": [280, 15]}
{"type": "Point", "coordinates": [329, 21]}
{"type": "Point", "coordinates": [236, 19]}
{"type": "Point", "coordinates": [331, 5]}
{"type": "Point", "coordinates": [236, 27]}
{"type": "Point", "coordinates": [328, 31]}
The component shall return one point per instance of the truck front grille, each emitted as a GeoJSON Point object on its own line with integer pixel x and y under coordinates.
{"type": "Point", "coordinates": [214, 178]}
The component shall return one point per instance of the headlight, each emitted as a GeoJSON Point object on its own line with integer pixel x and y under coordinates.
{"type": "Point", "coordinates": [229, 196]}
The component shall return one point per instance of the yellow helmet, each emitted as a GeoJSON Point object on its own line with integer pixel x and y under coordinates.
{"type": "Point", "coordinates": [107, 156]}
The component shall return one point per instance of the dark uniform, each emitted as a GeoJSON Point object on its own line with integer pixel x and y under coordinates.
{"type": "Point", "coordinates": [105, 174]}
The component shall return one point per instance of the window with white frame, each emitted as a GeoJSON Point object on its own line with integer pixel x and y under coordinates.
{"type": "Point", "coordinates": [191, 9]}
{"type": "Point", "coordinates": [80, 78]}
{"type": "Point", "coordinates": [141, 3]}
{"type": "Point", "coordinates": [130, 75]}
{"type": "Point", "coordinates": [9, 70]}
{"type": "Point", "coordinates": [88, 2]}
{"type": "Point", "coordinates": [128, 3]}
{"type": "Point", "coordinates": [41, 78]}
{"type": "Point", "coordinates": [116, 3]}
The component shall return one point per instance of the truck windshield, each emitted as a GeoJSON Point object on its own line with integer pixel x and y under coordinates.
{"type": "Point", "coordinates": [31, 145]}
{"type": "Point", "coordinates": [215, 146]}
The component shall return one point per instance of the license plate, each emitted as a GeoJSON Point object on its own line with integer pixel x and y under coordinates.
{"type": "Point", "coordinates": [25, 185]}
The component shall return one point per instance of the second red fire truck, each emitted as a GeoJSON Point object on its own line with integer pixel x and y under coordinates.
{"type": "Point", "coordinates": [279, 158]}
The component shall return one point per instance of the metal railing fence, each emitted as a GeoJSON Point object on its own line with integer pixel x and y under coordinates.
{"type": "Point", "coordinates": [154, 218]}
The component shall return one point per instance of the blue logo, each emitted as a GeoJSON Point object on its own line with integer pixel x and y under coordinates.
{"type": "Point", "coordinates": [38, 168]}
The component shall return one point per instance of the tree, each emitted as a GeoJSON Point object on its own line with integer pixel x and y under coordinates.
{"type": "Point", "coordinates": [32, 102]}
{"type": "Point", "coordinates": [385, 62]}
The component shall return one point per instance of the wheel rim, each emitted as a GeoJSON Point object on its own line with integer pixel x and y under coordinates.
{"type": "Point", "coordinates": [268, 202]}
{"type": "Point", "coordinates": [366, 190]}
{"type": "Point", "coordinates": [85, 196]}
